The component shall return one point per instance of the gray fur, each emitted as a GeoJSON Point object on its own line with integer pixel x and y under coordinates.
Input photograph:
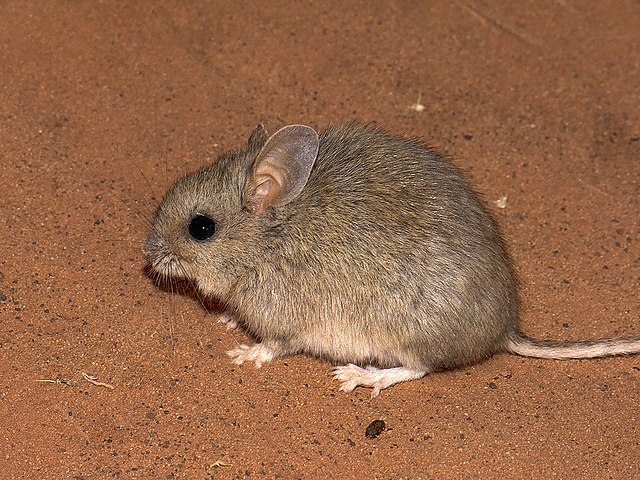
{"type": "Point", "coordinates": [385, 258]}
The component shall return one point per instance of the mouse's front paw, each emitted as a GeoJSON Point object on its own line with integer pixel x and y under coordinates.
{"type": "Point", "coordinates": [258, 353]}
{"type": "Point", "coordinates": [228, 320]}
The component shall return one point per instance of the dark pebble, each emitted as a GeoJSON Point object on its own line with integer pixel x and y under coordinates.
{"type": "Point", "coordinates": [374, 429]}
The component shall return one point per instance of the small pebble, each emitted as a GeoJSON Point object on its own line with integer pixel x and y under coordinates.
{"type": "Point", "coordinates": [374, 429]}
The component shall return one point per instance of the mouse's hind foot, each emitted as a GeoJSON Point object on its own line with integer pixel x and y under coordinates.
{"type": "Point", "coordinates": [351, 376]}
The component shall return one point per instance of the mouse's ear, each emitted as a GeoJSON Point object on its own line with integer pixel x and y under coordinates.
{"type": "Point", "coordinates": [282, 168]}
{"type": "Point", "coordinates": [259, 137]}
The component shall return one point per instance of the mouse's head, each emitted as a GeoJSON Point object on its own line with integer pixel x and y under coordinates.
{"type": "Point", "coordinates": [215, 222]}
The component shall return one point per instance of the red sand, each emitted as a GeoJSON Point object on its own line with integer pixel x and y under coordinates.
{"type": "Point", "coordinates": [103, 105]}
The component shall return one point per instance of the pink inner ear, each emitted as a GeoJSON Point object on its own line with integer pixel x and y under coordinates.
{"type": "Point", "coordinates": [282, 167]}
{"type": "Point", "coordinates": [263, 194]}
{"type": "Point", "coordinates": [269, 183]}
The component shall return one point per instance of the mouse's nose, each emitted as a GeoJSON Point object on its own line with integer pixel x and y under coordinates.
{"type": "Point", "coordinates": [150, 245]}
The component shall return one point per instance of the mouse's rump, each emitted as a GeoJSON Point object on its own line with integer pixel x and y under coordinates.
{"type": "Point", "coordinates": [369, 295]}
{"type": "Point", "coordinates": [394, 257]}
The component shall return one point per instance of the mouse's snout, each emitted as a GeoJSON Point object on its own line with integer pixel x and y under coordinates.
{"type": "Point", "coordinates": [151, 245]}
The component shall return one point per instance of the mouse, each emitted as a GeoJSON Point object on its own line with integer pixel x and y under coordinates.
{"type": "Point", "coordinates": [355, 246]}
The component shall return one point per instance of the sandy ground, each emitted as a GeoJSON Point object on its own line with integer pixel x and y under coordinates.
{"type": "Point", "coordinates": [104, 104]}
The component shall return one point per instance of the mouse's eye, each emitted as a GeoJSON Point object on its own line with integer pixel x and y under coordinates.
{"type": "Point", "coordinates": [202, 227]}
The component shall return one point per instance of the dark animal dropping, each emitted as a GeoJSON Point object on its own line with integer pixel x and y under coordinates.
{"type": "Point", "coordinates": [375, 428]}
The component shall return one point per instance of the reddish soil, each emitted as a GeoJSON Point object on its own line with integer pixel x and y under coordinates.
{"type": "Point", "coordinates": [104, 104]}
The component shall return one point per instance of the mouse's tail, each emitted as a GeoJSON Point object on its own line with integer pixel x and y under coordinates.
{"type": "Point", "coordinates": [561, 349]}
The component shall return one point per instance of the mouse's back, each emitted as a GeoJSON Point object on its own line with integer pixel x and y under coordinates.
{"type": "Point", "coordinates": [388, 239]}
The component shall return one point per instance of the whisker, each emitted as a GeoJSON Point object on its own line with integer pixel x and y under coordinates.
{"type": "Point", "coordinates": [133, 207]}
{"type": "Point", "coordinates": [197, 291]}
{"type": "Point", "coordinates": [173, 316]}
{"type": "Point", "coordinates": [130, 240]}
{"type": "Point", "coordinates": [154, 197]}
{"type": "Point", "coordinates": [144, 216]}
